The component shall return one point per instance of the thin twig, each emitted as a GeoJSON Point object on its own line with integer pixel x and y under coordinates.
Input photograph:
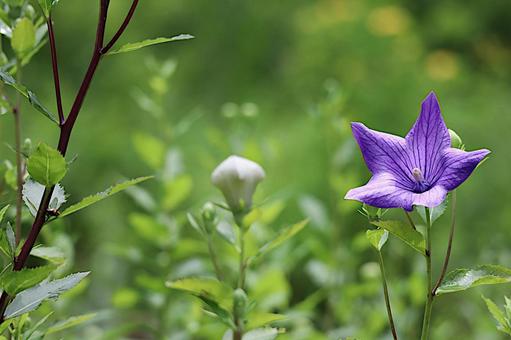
{"type": "Point", "coordinates": [121, 29]}
{"type": "Point", "coordinates": [409, 218]}
{"type": "Point", "coordinates": [19, 160]}
{"type": "Point", "coordinates": [387, 298]}
{"type": "Point", "coordinates": [55, 67]}
{"type": "Point", "coordinates": [449, 244]}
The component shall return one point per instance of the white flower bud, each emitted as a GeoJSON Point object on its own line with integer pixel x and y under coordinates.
{"type": "Point", "coordinates": [237, 178]}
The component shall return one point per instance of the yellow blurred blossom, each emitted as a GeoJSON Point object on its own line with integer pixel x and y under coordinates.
{"type": "Point", "coordinates": [442, 65]}
{"type": "Point", "coordinates": [388, 21]}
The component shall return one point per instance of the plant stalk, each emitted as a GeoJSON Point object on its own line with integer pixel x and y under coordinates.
{"type": "Point", "coordinates": [214, 259]}
{"type": "Point", "coordinates": [19, 160]}
{"type": "Point", "coordinates": [64, 138]}
{"type": "Point", "coordinates": [449, 244]}
{"type": "Point", "coordinates": [429, 298]}
{"type": "Point", "coordinates": [387, 298]}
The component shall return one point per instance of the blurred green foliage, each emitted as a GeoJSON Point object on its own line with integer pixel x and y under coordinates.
{"type": "Point", "coordinates": [277, 82]}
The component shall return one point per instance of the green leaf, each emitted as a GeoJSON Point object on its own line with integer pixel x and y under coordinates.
{"type": "Point", "coordinates": [102, 195]}
{"type": "Point", "coordinates": [8, 80]}
{"type": "Point", "coordinates": [462, 279]}
{"type": "Point", "coordinates": [15, 281]}
{"type": "Point", "coordinates": [3, 211]}
{"type": "Point", "coordinates": [23, 37]}
{"type": "Point", "coordinates": [377, 237]}
{"type": "Point", "coordinates": [195, 224]}
{"type": "Point", "coordinates": [29, 299]}
{"type": "Point", "coordinates": [46, 165]}
{"type": "Point", "coordinates": [176, 191]}
{"type": "Point", "coordinates": [260, 319]}
{"type": "Point", "coordinates": [33, 330]}
{"type": "Point", "coordinates": [284, 235]}
{"type": "Point", "coordinates": [70, 322]}
{"type": "Point", "coordinates": [498, 315]}
{"type": "Point", "coordinates": [46, 6]}
{"type": "Point", "coordinates": [138, 45]}
{"type": "Point", "coordinates": [11, 238]}
{"type": "Point", "coordinates": [50, 254]}
{"type": "Point", "coordinates": [434, 213]}
{"type": "Point", "coordinates": [205, 287]}
{"type": "Point", "coordinates": [150, 149]}
{"type": "Point", "coordinates": [214, 309]}
{"type": "Point", "coordinates": [406, 233]}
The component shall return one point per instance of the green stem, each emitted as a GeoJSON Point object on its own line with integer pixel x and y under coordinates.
{"type": "Point", "coordinates": [449, 244]}
{"type": "Point", "coordinates": [386, 295]}
{"type": "Point", "coordinates": [214, 260]}
{"type": "Point", "coordinates": [238, 332]}
{"type": "Point", "coordinates": [429, 299]}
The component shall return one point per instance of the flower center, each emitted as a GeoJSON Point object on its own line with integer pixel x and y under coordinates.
{"type": "Point", "coordinates": [420, 183]}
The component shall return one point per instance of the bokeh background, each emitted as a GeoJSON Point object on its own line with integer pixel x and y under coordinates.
{"type": "Point", "coordinates": [277, 82]}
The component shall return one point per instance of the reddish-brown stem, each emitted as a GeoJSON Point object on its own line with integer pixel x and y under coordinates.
{"type": "Point", "coordinates": [55, 67]}
{"type": "Point", "coordinates": [65, 134]}
{"type": "Point", "coordinates": [122, 28]}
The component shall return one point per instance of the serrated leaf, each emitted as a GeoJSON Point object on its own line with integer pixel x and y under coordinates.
{"type": "Point", "coordinates": [284, 235]}
{"type": "Point", "coordinates": [261, 319]}
{"type": "Point", "coordinates": [23, 37]}
{"type": "Point", "coordinates": [70, 322]}
{"type": "Point", "coordinates": [498, 315]}
{"type": "Point", "coordinates": [46, 165]}
{"type": "Point", "coordinates": [406, 233]}
{"type": "Point", "coordinates": [205, 287]}
{"type": "Point", "coordinates": [50, 254]}
{"type": "Point", "coordinates": [15, 281]}
{"type": "Point", "coordinates": [29, 299]}
{"type": "Point", "coordinates": [87, 201]}
{"type": "Point", "coordinates": [33, 194]}
{"type": "Point", "coordinates": [377, 237]}
{"type": "Point", "coordinates": [462, 279]}
{"type": "Point", "coordinates": [8, 80]}
{"type": "Point", "coordinates": [434, 213]}
{"type": "Point", "coordinates": [149, 42]}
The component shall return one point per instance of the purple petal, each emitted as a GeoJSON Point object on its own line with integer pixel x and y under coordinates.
{"type": "Point", "coordinates": [428, 137]}
{"type": "Point", "coordinates": [382, 191]}
{"type": "Point", "coordinates": [431, 198]}
{"type": "Point", "coordinates": [457, 166]}
{"type": "Point", "coordinates": [384, 152]}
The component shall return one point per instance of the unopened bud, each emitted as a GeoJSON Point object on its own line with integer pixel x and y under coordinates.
{"type": "Point", "coordinates": [208, 215]}
{"type": "Point", "coordinates": [240, 302]}
{"type": "Point", "coordinates": [456, 141]}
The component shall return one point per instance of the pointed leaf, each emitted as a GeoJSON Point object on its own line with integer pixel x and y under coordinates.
{"type": "Point", "coordinates": [11, 238]}
{"type": "Point", "coordinates": [23, 37]}
{"type": "Point", "coordinates": [205, 287]}
{"type": "Point", "coordinates": [3, 211]}
{"type": "Point", "coordinates": [261, 319]}
{"type": "Point", "coordinates": [462, 279]}
{"type": "Point", "coordinates": [138, 45]}
{"type": "Point", "coordinates": [102, 195]}
{"type": "Point", "coordinates": [434, 213]}
{"type": "Point", "coordinates": [7, 79]}
{"type": "Point", "coordinates": [15, 281]}
{"type": "Point", "coordinates": [50, 254]}
{"type": "Point", "coordinates": [31, 298]}
{"type": "Point", "coordinates": [406, 233]}
{"type": "Point", "coordinates": [70, 322]}
{"type": "Point", "coordinates": [33, 194]}
{"type": "Point", "coordinates": [498, 315]}
{"type": "Point", "coordinates": [286, 234]}
{"type": "Point", "coordinates": [46, 165]}
{"type": "Point", "coordinates": [377, 237]}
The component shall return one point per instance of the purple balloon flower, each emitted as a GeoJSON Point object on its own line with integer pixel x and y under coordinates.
{"type": "Point", "coordinates": [419, 169]}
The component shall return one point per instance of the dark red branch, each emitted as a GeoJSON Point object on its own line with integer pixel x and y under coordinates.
{"type": "Point", "coordinates": [122, 28]}
{"type": "Point", "coordinates": [65, 134]}
{"type": "Point", "coordinates": [55, 67]}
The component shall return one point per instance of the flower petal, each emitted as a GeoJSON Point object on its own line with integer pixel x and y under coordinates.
{"type": "Point", "coordinates": [457, 166]}
{"type": "Point", "coordinates": [384, 152]}
{"type": "Point", "coordinates": [382, 191]}
{"type": "Point", "coordinates": [431, 198]}
{"type": "Point", "coordinates": [428, 137]}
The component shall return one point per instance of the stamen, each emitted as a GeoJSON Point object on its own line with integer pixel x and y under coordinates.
{"type": "Point", "coordinates": [417, 174]}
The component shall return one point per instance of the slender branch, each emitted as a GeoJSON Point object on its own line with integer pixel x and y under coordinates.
{"type": "Point", "coordinates": [55, 67]}
{"type": "Point", "coordinates": [65, 133]}
{"type": "Point", "coordinates": [449, 244]}
{"type": "Point", "coordinates": [410, 220]}
{"type": "Point", "coordinates": [387, 298]}
{"type": "Point", "coordinates": [429, 298]}
{"type": "Point", "coordinates": [19, 160]}
{"type": "Point", "coordinates": [122, 28]}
